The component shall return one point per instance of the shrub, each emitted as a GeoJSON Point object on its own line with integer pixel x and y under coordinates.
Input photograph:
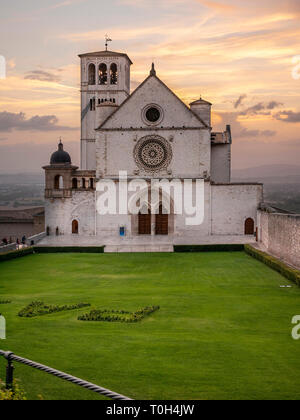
{"type": "Point", "coordinates": [288, 272]}
{"type": "Point", "coordinates": [118, 316]}
{"type": "Point", "coordinates": [16, 254]}
{"type": "Point", "coordinates": [69, 249]}
{"type": "Point", "coordinates": [209, 248]}
{"type": "Point", "coordinates": [39, 308]}
{"type": "Point", "coordinates": [15, 394]}
{"type": "Point", "coordinates": [4, 302]}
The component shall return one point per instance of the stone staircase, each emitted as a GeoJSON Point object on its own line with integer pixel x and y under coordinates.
{"type": "Point", "coordinates": [139, 248]}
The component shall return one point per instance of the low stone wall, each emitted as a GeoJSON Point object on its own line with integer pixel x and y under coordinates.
{"type": "Point", "coordinates": [36, 238]}
{"type": "Point", "coordinates": [12, 247]}
{"type": "Point", "coordinates": [7, 248]}
{"type": "Point", "coordinates": [280, 235]}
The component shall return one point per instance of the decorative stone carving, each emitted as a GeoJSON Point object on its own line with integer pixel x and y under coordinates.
{"type": "Point", "coordinates": [152, 153]}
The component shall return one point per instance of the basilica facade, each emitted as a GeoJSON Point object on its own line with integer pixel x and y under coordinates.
{"type": "Point", "coordinates": [149, 134]}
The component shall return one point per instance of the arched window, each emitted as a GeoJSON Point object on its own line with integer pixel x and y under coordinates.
{"type": "Point", "coordinates": [48, 231]}
{"type": "Point", "coordinates": [249, 226]}
{"type": "Point", "coordinates": [92, 183]}
{"type": "Point", "coordinates": [75, 227]}
{"type": "Point", "coordinates": [92, 74]}
{"type": "Point", "coordinates": [57, 231]}
{"type": "Point", "coordinates": [103, 74]}
{"type": "Point", "coordinates": [58, 182]}
{"type": "Point", "coordinates": [74, 183]}
{"type": "Point", "coordinates": [92, 104]}
{"type": "Point", "coordinates": [113, 74]}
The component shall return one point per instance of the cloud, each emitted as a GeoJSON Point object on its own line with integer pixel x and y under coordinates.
{"type": "Point", "coordinates": [218, 7]}
{"type": "Point", "coordinates": [256, 133]}
{"type": "Point", "coordinates": [259, 109]}
{"type": "Point", "coordinates": [10, 121]}
{"type": "Point", "coordinates": [239, 131]}
{"type": "Point", "coordinates": [239, 101]}
{"type": "Point", "coordinates": [288, 116]}
{"type": "Point", "coordinates": [43, 76]}
{"type": "Point", "coordinates": [273, 104]}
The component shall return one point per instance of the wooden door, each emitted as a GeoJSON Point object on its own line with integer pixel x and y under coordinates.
{"type": "Point", "coordinates": [161, 223]}
{"type": "Point", "coordinates": [145, 224]}
{"type": "Point", "coordinates": [249, 227]}
{"type": "Point", "coordinates": [75, 227]}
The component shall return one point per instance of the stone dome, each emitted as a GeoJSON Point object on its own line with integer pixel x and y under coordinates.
{"type": "Point", "coordinates": [60, 156]}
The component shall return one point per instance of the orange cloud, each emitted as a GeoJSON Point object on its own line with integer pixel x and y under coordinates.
{"type": "Point", "coordinates": [220, 7]}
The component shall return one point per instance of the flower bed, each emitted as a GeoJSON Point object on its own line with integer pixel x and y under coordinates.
{"type": "Point", "coordinates": [39, 308]}
{"type": "Point", "coordinates": [108, 315]}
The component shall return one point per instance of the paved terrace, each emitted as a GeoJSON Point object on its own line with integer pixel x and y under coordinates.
{"type": "Point", "coordinates": [141, 243]}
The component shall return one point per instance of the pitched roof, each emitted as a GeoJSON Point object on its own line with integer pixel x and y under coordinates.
{"type": "Point", "coordinates": [105, 54]}
{"type": "Point", "coordinates": [152, 74]}
{"type": "Point", "coordinates": [200, 101]}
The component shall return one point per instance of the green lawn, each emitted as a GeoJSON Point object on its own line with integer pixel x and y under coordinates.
{"type": "Point", "coordinates": [223, 330]}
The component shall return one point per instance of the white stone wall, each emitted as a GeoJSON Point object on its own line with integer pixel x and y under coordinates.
{"type": "Point", "coordinates": [190, 149]}
{"type": "Point", "coordinates": [221, 163]}
{"type": "Point", "coordinates": [231, 205]}
{"type": "Point", "coordinates": [280, 234]}
{"type": "Point", "coordinates": [61, 212]}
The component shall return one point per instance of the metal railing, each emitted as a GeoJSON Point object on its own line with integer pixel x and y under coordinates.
{"type": "Point", "coordinates": [10, 357]}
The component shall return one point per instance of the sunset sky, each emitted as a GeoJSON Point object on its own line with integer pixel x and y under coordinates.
{"type": "Point", "coordinates": [243, 56]}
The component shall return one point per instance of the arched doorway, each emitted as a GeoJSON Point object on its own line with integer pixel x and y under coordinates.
{"type": "Point", "coordinates": [161, 222]}
{"type": "Point", "coordinates": [58, 182]}
{"type": "Point", "coordinates": [75, 227]}
{"type": "Point", "coordinates": [145, 223]}
{"type": "Point", "coordinates": [74, 183]}
{"type": "Point", "coordinates": [249, 226]}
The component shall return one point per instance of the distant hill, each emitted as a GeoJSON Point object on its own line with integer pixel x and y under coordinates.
{"type": "Point", "coordinates": [37, 178]}
{"type": "Point", "coordinates": [269, 174]}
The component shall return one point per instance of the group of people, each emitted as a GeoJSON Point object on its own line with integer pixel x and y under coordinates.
{"type": "Point", "coordinates": [19, 244]}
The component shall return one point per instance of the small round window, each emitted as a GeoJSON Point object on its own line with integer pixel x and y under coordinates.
{"type": "Point", "coordinates": [152, 114]}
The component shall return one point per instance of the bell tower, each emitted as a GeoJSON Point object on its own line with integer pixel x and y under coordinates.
{"type": "Point", "coordinates": [105, 85]}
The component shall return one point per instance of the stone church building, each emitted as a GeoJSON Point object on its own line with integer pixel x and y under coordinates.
{"type": "Point", "coordinates": [150, 134]}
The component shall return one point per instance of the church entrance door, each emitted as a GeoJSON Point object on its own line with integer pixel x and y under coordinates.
{"type": "Point", "coordinates": [161, 223]}
{"type": "Point", "coordinates": [145, 224]}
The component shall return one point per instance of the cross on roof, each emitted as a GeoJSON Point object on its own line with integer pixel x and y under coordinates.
{"type": "Point", "coordinates": [107, 40]}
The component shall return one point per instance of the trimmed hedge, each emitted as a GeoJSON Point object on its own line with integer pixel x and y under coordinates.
{"type": "Point", "coordinates": [209, 248]}
{"type": "Point", "coordinates": [16, 254]}
{"type": "Point", "coordinates": [277, 265]}
{"type": "Point", "coordinates": [108, 315]}
{"type": "Point", "coordinates": [39, 308]}
{"type": "Point", "coordinates": [69, 249]}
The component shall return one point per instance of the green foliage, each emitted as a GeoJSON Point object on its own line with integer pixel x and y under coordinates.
{"type": "Point", "coordinates": [69, 249]}
{"type": "Point", "coordinates": [15, 394]}
{"type": "Point", "coordinates": [209, 248]}
{"type": "Point", "coordinates": [39, 308]}
{"type": "Point", "coordinates": [109, 315]}
{"type": "Point", "coordinates": [5, 302]}
{"type": "Point", "coordinates": [16, 254]}
{"type": "Point", "coordinates": [288, 272]}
